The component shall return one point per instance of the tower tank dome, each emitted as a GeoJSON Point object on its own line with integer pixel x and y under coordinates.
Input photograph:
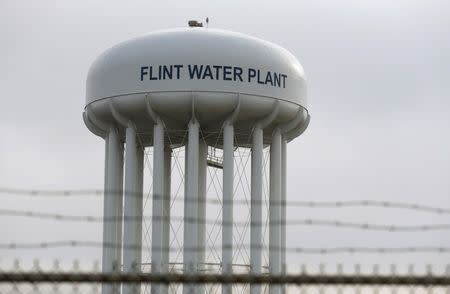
{"type": "Point", "coordinates": [202, 73]}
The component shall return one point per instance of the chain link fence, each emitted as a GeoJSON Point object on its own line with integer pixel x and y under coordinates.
{"type": "Point", "coordinates": [17, 278]}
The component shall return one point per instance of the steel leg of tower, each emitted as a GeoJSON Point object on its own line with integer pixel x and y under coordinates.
{"type": "Point", "coordinates": [119, 215]}
{"type": "Point", "coordinates": [158, 195]}
{"type": "Point", "coordinates": [119, 208]}
{"type": "Point", "coordinates": [202, 157]}
{"type": "Point", "coordinates": [283, 209]}
{"type": "Point", "coordinates": [256, 207]}
{"type": "Point", "coordinates": [131, 244]}
{"type": "Point", "coordinates": [227, 204]}
{"type": "Point", "coordinates": [275, 209]}
{"type": "Point", "coordinates": [166, 214]}
{"type": "Point", "coordinates": [108, 211]}
{"type": "Point", "coordinates": [119, 211]}
{"type": "Point", "coordinates": [112, 207]}
{"type": "Point", "coordinates": [139, 205]}
{"type": "Point", "coordinates": [191, 204]}
{"type": "Point", "coordinates": [202, 169]}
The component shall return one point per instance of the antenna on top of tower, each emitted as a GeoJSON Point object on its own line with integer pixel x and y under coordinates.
{"type": "Point", "coordinates": [195, 23]}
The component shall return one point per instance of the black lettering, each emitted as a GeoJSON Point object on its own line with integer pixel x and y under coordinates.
{"type": "Point", "coordinates": [195, 70]}
{"type": "Point", "coordinates": [227, 73]}
{"type": "Point", "coordinates": [151, 74]}
{"type": "Point", "coordinates": [167, 72]}
{"type": "Point", "coordinates": [284, 80]}
{"type": "Point", "coordinates": [237, 72]}
{"type": "Point", "coordinates": [251, 74]}
{"type": "Point", "coordinates": [259, 76]}
{"type": "Point", "coordinates": [277, 80]}
{"type": "Point", "coordinates": [217, 68]}
{"type": "Point", "coordinates": [207, 73]}
{"type": "Point", "coordinates": [269, 78]}
{"type": "Point", "coordinates": [144, 72]}
{"type": "Point", "coordinates": [178, 67]}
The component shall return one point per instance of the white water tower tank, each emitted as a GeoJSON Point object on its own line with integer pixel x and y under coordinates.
{"type": "Point", "coordinates": [250, 92]}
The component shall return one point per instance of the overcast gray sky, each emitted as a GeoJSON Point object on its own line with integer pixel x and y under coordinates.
{"type": "Point", "coordinates": [379, 96]}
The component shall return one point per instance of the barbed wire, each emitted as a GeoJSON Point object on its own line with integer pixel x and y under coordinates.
{"type": "Point", "coordinates": [306, 204]}
{"type": "Point", "coordinates": [302, 250]}
{"type": "Point", "coordinates": [198, 278]}
{"type": "Point", "coordinates": [300, 222]}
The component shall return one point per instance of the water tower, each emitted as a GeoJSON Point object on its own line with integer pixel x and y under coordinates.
{"type": "Point", "coordinates": [171, 90]}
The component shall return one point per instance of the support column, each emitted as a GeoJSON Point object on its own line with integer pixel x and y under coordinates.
{"type": "Point", "coordinates": [202, 169]}
{"type": "Point", "coordinates": [139, 204]}
{"type": "Point", "coordinates": [275, 209]}
{"type": "Point", "coordinates": [166, 213]}
{"type": "Point", "coordinates": [191, 204]}
{"type": "Point", "coordinates": [256, 207]}
{"type": "Point", "coordinates": [227, 210]}
{"type": "Point", "coordinates": [283, 209]}
{"type": "Point", "coordinates": [119, 207]}
{"type": "Point", "coordinates": [112, 207]}
{"type": "Point", "coordinates": [132, 214]}
{"type": "Point", "coordinates": [290, 129]}
{"type": "Point", "coordinates": [158, 196]}
{"type": "Point", "coordinates": [256, 223]}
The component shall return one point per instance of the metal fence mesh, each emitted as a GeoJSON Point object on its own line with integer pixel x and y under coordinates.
{"type": "Point", "coordinates": [75, 278]}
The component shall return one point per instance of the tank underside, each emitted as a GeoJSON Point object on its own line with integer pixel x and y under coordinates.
{"type": "Point", "coordinates": [210, 109]}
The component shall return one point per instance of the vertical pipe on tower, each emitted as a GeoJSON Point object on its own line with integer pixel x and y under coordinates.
{"type": "Point", "coordinates": [289, 130]}
{"type": "Point", "coordinates": [158, 195]}
{"type": "Point", "coordinates": [139, 205]}
{"type": "Point", "coordinates": [201, 216]}
{"type": "Point", "coordinates": [108, 227]}
{"type": "Point", "coordinates": [275, 209]}
{"type": "Point", "coordinates": [191, 203]}
{"type": "Point", "coordinates": [166, 207]}
{"type": "Point", "coordinates": [112, 213]}
{"type": "Point", "coordinates": [283, 209]}
{"type": "Point", "coordinates": [166, 214]}
{"type": "Point", "coordinates": [227, 210]}
{"type": "Point", "coordinates": [119, 207]}
{"type": "Point", "coordinates": [131, 243]}
{"type": "Point", "coordinates": [119, 214]}
{"type": "Point", "coordinates": [256, 207]}
{"type": "Point", "coordinates": [256, 224]}
{"type": "Point", "coordinates": [202, 157]}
